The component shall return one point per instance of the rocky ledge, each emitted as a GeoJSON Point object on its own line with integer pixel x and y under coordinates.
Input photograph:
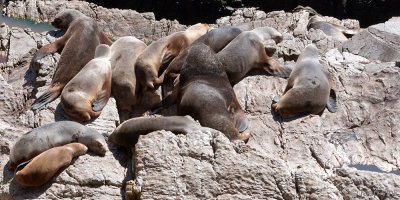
{"type": "Point", "coordinates": [302, 158]}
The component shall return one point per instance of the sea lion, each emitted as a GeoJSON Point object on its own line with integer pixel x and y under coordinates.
{"type": "Point", "coordinates": [55, 134]}
{"type": "Point", "coordinates": [205, 93]}
{"type": "Point", "coordinates": [161, 52]}
{"type": "Point", "coordinates": [124, 52]}
{"type": "Point", "coordinates": [309, 88]}
{"type": "Point", "coordinates": [78, 46]}
{"type": "Point", "coordinates": [127, 133]}
{"type": "Point", "coordinates": [88, 92]}
{"type": "Point", "coordinates": [247, 52]}
{"type": "Point", "coordinates": [41, 168]}
{"type": "Point", "coordinates": [216, 39]}
{"type": "Point", "coordinates": [336, 31]}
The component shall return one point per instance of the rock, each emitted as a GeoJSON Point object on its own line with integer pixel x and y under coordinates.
{"type": "Point", "coordinates": [114, 22]}
{"type": "Point", "coordinates": [377, 42]}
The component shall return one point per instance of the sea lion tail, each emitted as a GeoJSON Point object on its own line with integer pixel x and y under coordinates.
{"type": "Point", "coordinates": [50, 95]}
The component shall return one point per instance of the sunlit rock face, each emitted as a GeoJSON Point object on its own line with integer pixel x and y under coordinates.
{"type": "Point", "coordinates": [301, 158]}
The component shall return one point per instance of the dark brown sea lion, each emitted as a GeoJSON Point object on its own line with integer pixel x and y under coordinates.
{"type": "Point", "coordinates": [161, 52]}
{"type": "Point", "coordinates": [41, 168]}
{"type": "Point", "coordinates": [124, 52]}
{"type": "Point", "coordinates": [216, 39]}
{"type": "Point", "coordinates": [78, 45]}
{"type": "Point", "coordinates": [309, 88]}
{"type": "Point", "coordinates": [88, 92]}
{"type": "Point", "coordinates": [205, 93]}
{"type": "Point", "coordinates": [52, 135]}
{"type": "Point", "coordinates": [128, 132]}
{"type": "Point", "coordinates": [247, 52]}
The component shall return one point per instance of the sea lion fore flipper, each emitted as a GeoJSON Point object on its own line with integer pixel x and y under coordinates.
{"type": "Point", "coordinates": [331, 104]}
{"type": "Point", "coordinates": [239, 117]}
{"type": "Point", "coordinates": [168, 57]}
{"type": "Point", "coordinates": [101, 101]}
{"type": "Point", "coordinates": [48, 96]}
{"type": "Point", "coordinates": [241, 122]}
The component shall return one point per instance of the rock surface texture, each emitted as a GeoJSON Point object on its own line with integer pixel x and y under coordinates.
{"type": "Point", "coordinates": [301, 158]}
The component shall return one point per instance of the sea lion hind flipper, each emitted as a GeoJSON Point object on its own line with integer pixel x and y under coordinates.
{"type": "Point", "coordinates": [240, 120]}
{"type": "Point", "coordinates": [101, 101]}
{"type": "Point", "coordinates": [331, 104]}
{"type": "Point", "coordinates": [47, 97]}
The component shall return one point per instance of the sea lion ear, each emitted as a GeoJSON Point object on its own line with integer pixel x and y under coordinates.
{"type": "Point", "coordinates": [331, 104]}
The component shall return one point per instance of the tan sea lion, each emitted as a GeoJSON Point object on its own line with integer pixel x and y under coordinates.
{"type": "Point", "coordinates": [309, 88]}
{"type": "Point", "coordinates": [41, 168]}
{"type": "Point", "coordinates": [161, 52]}
{"type": "Point", "coordinates": [52, 135]}
{"type": "Point", "coordinates": [127, 133]}
{"type": "Point", "coordinates": [336, 31]}
{"type": "Point", "coordinates": [247, 52]}
{"type": "Point", "coordinates": [124, 52]}
{"type": "Point", "coordinates": [205, 93]}
{"type": "Point", "coordinates": [78, 45]}
{"type": "Point", "coordinates": [216, 39]}
{"type": "Point", "coordinates": [88, 92]}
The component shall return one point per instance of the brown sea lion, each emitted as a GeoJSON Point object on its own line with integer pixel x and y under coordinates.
{"type": "Point", "coordinates": [309, 88]}
{"type": "Point", "coordinates": [41, 168]}
{"type": "Point", "coordinates": [205, 93]}
{"type": "Point", "coordinates": [52, 135]}
{"type": "Point", "coordinates": [336, 31]}
{"type": "Point", "coordinates": [216, 39]}
{"type": "Point", "coordinates": [247, 52]}
{"type": "Point", "coordinates": [78, 45]}
{"type": "Point", "coordinates": [161, 52]}
{"type": "Point", "coordinates": [128, 132]}
{"type": "Point", "coordinates": [124, 52]}
{"type": "Point", "coordinates": [88, 92]}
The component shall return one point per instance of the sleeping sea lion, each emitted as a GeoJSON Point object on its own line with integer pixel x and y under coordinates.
{"type": "Point", "coordinates": [127, 133]}
{"type": "Point", "coordinates": [336, 31]}
{"type": "Point", "coordinates": [88, 92]}
{"type": "Point", "coordinates": [205, 93]}
{"type": "Point", "coordinates": [216, 39]}
{"type": "Point", "coordinates": [78, 45]}
{"type": "Point", "coordinates": [247, 52]}
{"type": "Point", "coordinates": [124, 52]}
{"type": "Point", "coordinates": [52, 135]}
{"type": "Point", "coordinates": [309, 88]}
{"type": "Point", "coordinates": [41, 168]}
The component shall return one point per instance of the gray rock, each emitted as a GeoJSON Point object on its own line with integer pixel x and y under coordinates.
{"type": "Point", "coordinates": [377, 42]}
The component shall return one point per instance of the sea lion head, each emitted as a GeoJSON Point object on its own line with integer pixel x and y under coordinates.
{"type": "Point", "coordinates": [65, 18]}
{"type": "Point", "coordinates": [77, 149]}
{"type": "Point", "coordinates": [102, 50]}
{"type": "Point", "coordinates": [150, 80]}
{"type": "Point", "coordinates": [95, 141]}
